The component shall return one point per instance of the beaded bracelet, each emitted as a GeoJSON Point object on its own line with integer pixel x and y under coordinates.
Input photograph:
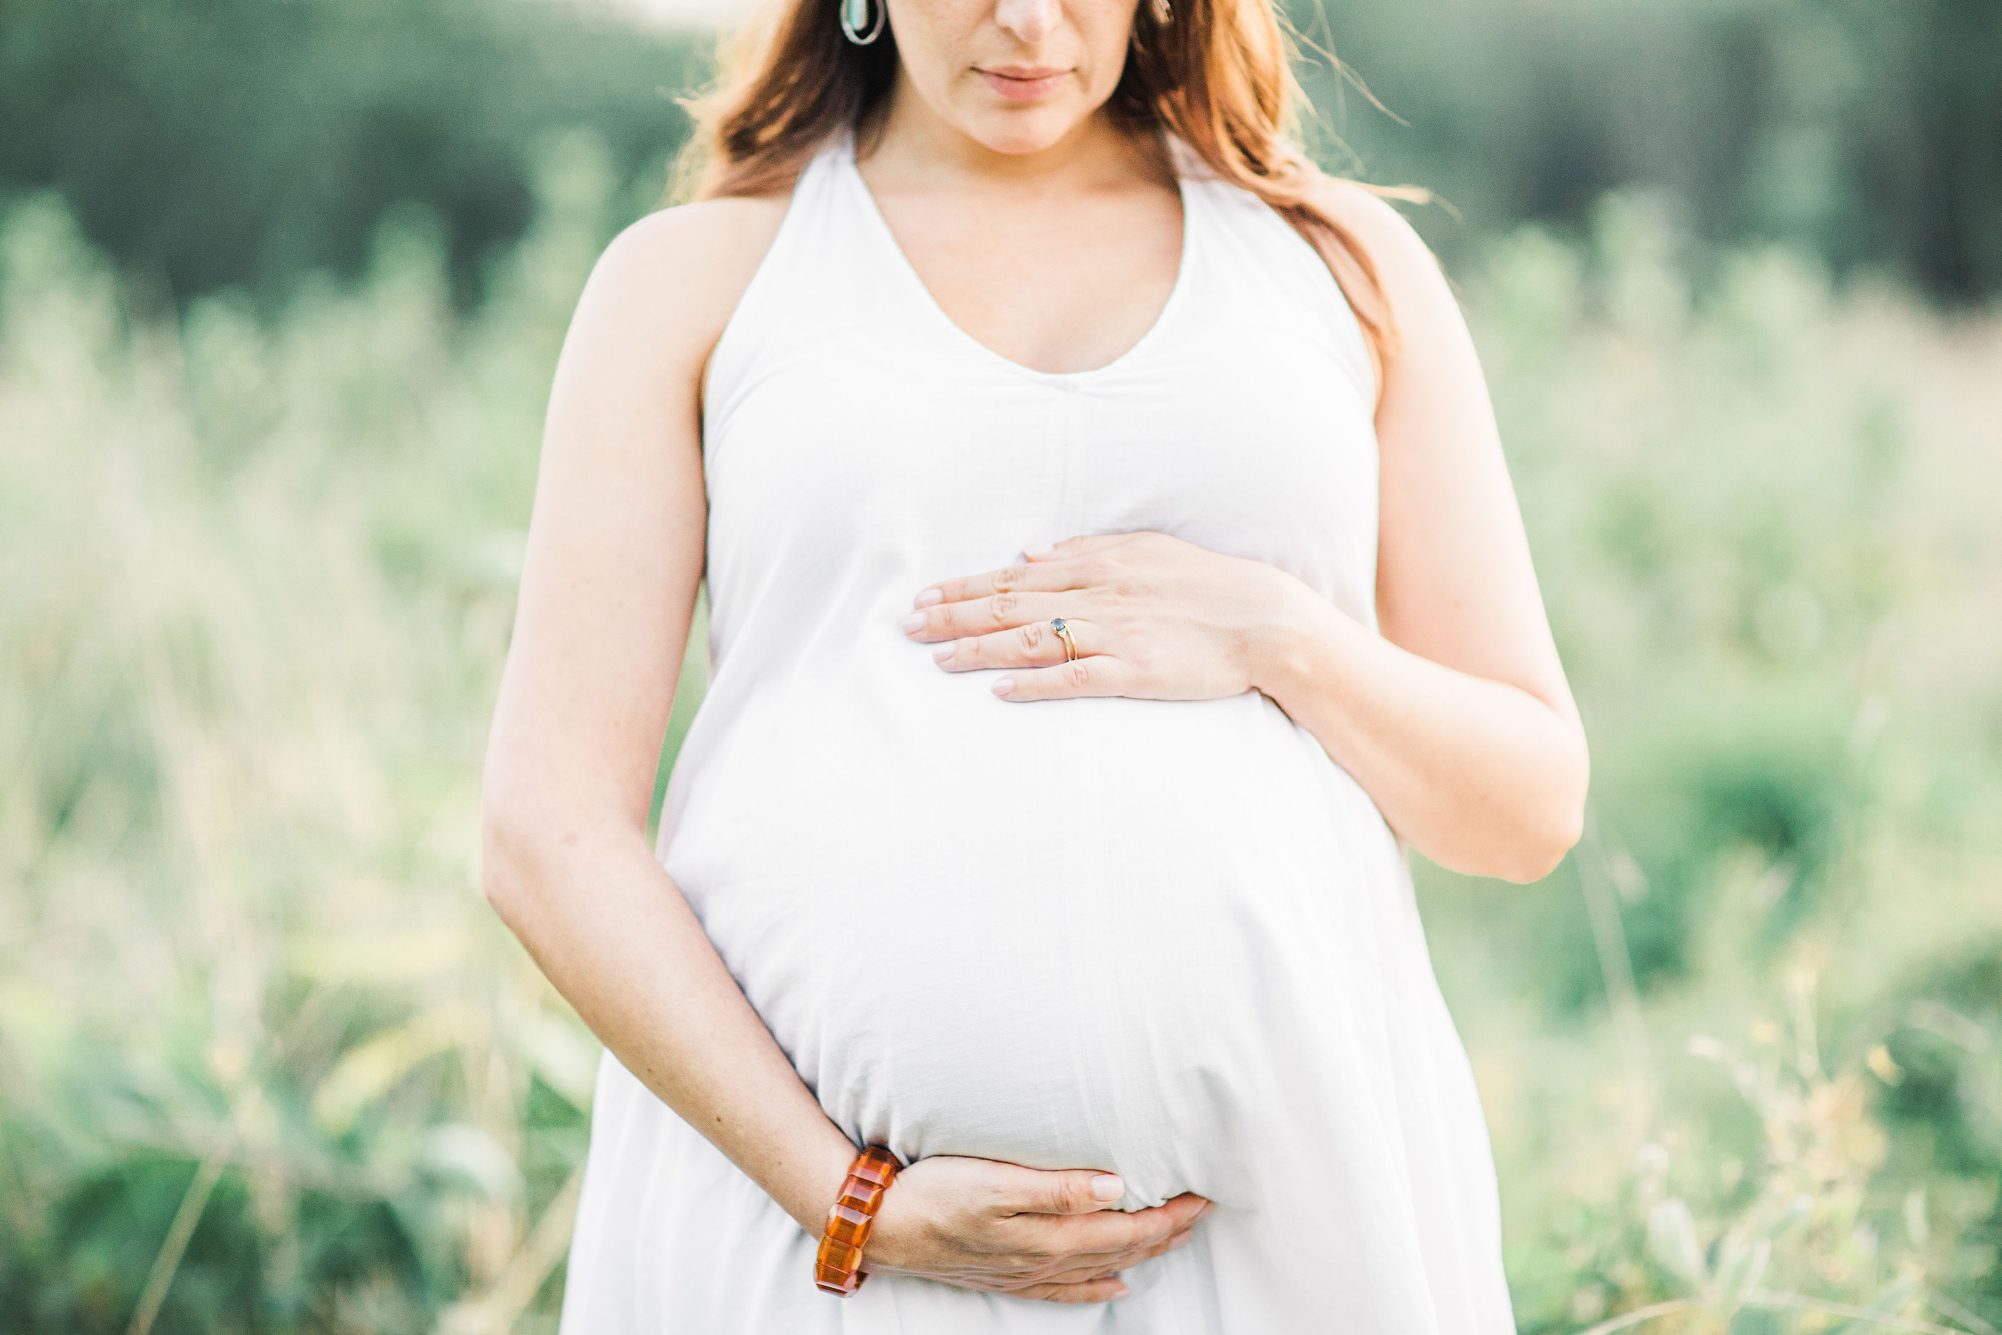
{"type": "Point", "coordinates": [837, 1269]}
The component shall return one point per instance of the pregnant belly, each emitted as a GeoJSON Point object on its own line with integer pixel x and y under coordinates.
{"type": "Point", "coordinates": [1096, 934]}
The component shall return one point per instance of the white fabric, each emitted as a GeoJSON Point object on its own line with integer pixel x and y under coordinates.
{"type": "Point", "coordinates": [1170, 939]}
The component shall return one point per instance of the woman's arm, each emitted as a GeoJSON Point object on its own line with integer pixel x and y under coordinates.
{"type": "Point", "coordinates": [608, 587]}
{"type": "Point", "coordinates": [1458, 720]}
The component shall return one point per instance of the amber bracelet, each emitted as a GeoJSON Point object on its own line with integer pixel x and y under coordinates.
{"type": "Point", "coordinates": [837, 1269]}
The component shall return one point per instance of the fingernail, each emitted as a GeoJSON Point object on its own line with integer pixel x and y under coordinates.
{"type": "Point", "coordinates": [1207, 1207]}
{"type": "Point", "coordinates": [944, 651]}
{"type": "Point", "coordinates": [913, 621]}
{"type": "Point", "coordinates": [926, 597]}
{"type": "Point", "coordinates": [1121, 1292]}
{"type": "Point", "coordinates": [1107, 1187]}
{"type": "Point", "coordinates": [1003, 685]}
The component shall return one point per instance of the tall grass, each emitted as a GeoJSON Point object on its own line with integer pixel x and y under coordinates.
{"type": "Point", "coordinates": [267, 1062]}
{"type": "Point", "coordinates": [1764, 517]}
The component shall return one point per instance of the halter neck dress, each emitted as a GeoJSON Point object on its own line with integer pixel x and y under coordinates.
{"type": "Point", "coordinates": [1168, 939]}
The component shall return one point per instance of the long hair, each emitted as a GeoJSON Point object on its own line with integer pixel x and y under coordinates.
{"type": "Point", "coordinates": [1219, 74]}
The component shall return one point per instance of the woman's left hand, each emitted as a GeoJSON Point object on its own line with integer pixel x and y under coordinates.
{"type": "Point", "coordinates": [1153, 616]}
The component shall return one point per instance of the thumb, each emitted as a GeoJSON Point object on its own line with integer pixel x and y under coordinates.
{"type": "Point", "coordinates": [1074, 1191]}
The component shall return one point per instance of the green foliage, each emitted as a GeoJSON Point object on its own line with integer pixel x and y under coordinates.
{"type": "Point", "coordinates": [269, 1060]}
{"type": "Point", "coordinates": [1731, 1245]}
{"type": "Point", "coordinates": [242, 143]}
{"type": "Point", "coordinates": [1762, 509]}
{"type": "Point", "coordinates": [1868, 134]}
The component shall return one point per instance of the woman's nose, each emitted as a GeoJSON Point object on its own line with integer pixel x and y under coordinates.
{"type": "Point", "coordinates": [1030, 20]}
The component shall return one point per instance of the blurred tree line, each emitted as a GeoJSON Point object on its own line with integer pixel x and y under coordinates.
{"type": "Point", "coordinates": [211, 143]}
{"type": "Point", "coordinates": [205, 144]}
{"type": "Point", "coordinates": [1859, 131]}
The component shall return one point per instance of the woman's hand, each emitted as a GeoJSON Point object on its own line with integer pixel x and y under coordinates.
{"type": "Point", "coordinates": [1152, 615]}
{"type": "Point", "coordinates": [1027, 1232]}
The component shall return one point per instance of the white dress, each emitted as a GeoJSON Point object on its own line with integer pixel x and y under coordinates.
{"type": "Point", "coordinates": [1168, 939]}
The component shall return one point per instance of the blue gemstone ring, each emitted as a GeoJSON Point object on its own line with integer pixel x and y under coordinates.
{"type": "Point", "coordinates": [1063, 630]}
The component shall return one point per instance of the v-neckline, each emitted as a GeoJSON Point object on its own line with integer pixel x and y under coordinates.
{"type": "Point", "coordinates": [879, 226]}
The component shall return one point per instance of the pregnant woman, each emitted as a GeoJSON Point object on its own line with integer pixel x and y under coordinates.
{"type": "Point", "coordinates": [1113, 572]}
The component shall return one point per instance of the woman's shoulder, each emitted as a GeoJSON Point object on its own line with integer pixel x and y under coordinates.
{"type": "Point", "coordinates": [702, 253]}
{"type": "Point", "coordinates": [1367, 213]}
{"type": "Point", "coordinates": [702, 231]}
{"type": "Point", "coordinates": [689, 264]}
{"type": "Point", "coordinates": [1413, 283]}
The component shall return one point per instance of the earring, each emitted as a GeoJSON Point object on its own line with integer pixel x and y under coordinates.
{"type": "Point", "coordinates": [852, 14]}
{"type": "Point", "coordinates": [1163, 14]}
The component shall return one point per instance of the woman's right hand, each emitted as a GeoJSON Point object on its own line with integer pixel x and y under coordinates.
{"type": "Point", "coordinates": [1027, 1232]}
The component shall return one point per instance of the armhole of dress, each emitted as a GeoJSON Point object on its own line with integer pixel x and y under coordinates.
{"type": "Point", "coordinates": [1350, 337]}
{"type": "Point", "coordinates": [1331, 306]}
{"type": "Point", "coordinates": [732, 357]}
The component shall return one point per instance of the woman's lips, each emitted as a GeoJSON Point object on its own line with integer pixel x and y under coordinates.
{"type": "Point", "coordinates": [1022, 90]}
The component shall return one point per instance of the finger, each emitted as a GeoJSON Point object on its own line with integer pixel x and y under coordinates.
{"type": "Point", "coordinates": [1107, 1238]}
{"type": "Point", "coordinates": [1004, 610]}
{"type": "Point", "coordinates": [1099, 1267]}
{"type": "Point", "coordinates": [1113, 1233]}
{"type": "Point", "coordinates": [1095, 1291]}
{"type": "Point", "coordinates": [1060, 1191]}
{"type": "Point", "coordinates": [1091, 674]}
{"type": "Point", "coordinates": [1031, 644]}
{"type": "Point", "coordinates": [1016, 575]}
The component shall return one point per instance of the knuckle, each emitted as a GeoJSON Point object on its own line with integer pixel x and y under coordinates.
{"type": "Point", "coordinates": [1077, 673]}
{"type": "Point", "coordinates": [1120, 578]}
{"type": "Point", "coordinates": [1003, 603]}
{"type": "Point", "coordinates": [1010, 576]}
{"type": "Point", "coordinates": [1033, 1254]}
{"type": "Point", "coordinates": [991, 1206]}
{"type": "Point", "coordinates": [1032, 634]}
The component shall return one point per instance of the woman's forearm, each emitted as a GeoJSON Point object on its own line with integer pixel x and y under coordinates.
{"type": "Point", "coordinates": [615, 936]}
{"type": "Point", "coordinates": [1478, 775]}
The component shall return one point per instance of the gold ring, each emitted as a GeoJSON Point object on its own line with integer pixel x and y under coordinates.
{"type": "Point", "coordinates": [1063, 630]}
